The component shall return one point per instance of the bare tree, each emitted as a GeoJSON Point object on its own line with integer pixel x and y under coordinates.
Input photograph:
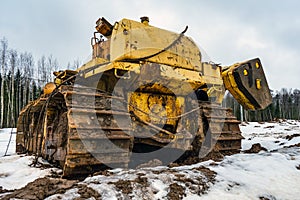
{"type": "Point", "coordinates": [3, 58]}
{"type": "Point", "coordinates": [13, 59]}
{"type": "Point", "coordinates": [42, 70]}
{"type": "Point", "coordinates": [52, 65]}
{"type": "Point", "coordinates": [27, 65]}
{"type": "Point", "coordinates": [76, 64]}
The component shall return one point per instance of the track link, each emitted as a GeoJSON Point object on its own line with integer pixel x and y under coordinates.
{"type": "Point", "coordinates": [77, 128]}
{"type": "Point", "coordinates": [223, 128]}
{"type": "Point", "coordinates": [95, 139]}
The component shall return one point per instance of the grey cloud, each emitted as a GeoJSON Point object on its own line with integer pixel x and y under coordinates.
{"type": "Point", "coordinates": [64, 28]}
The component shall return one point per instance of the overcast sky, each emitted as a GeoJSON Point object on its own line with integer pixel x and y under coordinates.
{"type": "Point", "coordinates": [228, 30]}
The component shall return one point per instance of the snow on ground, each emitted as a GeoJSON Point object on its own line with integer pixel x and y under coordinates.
{"type": "Point", "coordinates": [272, 136]}
{"type": "Point", "coordinates": [15, 171]}
{"type": "Point", "coordinates": [272, 174]}
{"type": "Point", "coordinates": [250, 176]}
{"type": "Point", "coordinates": [147, 183]}
{"type": "Point", "coordinates": [4, 139]}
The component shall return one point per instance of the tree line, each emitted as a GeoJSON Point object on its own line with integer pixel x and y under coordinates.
{"type": "Point", "coordinates": [285, 105]}
{"type": "Point", "coordinates": [21, 80]}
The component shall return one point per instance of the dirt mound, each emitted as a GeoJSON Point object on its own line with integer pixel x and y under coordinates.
{"type": "Point", "coordinates": [177, 187]}
{"type": "Point", "coordinates": [256, 148]}
{"type": "Point", "coordinates": [124, 185]}
{"type": "Point", "coordinates": [190, 160]}
{"type": "Point", "coordinates": [210, 175]}
{"type": "Point", "coordinates": [176, 192]}
{"type": "Point", "coordinates": [45, 187]}
{"type": "Point", "coordinates": [104, 173]}
{"type": "Point", "coordinates": [198, 185]}
{"type": "Point", "coordinates": [87, 192]}
{"type": "Point", "coordinates": [41, 188]}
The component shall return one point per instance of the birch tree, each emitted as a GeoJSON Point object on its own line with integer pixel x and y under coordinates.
{"type": "Point", "coordinates": [13, 59]}
{"type": "Point", "coordinates": [3, 58]}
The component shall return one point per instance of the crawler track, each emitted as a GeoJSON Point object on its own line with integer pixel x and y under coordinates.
{"type": "Point", "coordinates": [223, 127]}
{"type": "Point", "coordinates": [75, 127]}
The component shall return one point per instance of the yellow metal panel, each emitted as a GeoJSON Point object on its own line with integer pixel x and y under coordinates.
{"type": "Point", "coordinates": [231, 85]}
{"type": "Point", "coordinates": [92, 63]}
{"type": "Point", "coordinates": [133, 40]}
{"type": "Point", "coordinates": [246, 81]}
{"type": "Point", "coordinates": [156, 108]}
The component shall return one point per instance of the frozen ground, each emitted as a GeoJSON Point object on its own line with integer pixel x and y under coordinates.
{"type": "Point", "coordinates": [15, 171]}
{"type": "Point", "coordinates": [4, 138]}
{"type": "Point", "coordinates": [272, 174]}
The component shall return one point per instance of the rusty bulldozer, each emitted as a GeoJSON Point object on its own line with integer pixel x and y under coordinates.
{"type": "Point", "coordinates": [145, 94]}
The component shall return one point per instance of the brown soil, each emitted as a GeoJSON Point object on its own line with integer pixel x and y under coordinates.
{"type": "Point", "coordinates": [4, 190]}
{"type": "Point", "coordinates": [210, 175]}
{"type": "Point", "coordinates": [199, 185]}
{"type": "Point", "coordinates": [41, 188]}
{"type": "Point", "coordinates": [176, 192]}
{"type": "Point", "coordinates": [151, 163]}
{"type": "Point", "coordinates": [190, 160]}
{"type": "Point", "coordinates": [269, 127]}
{"type": "Point", "coordinates": [256, 148]}
{"type": "Point", "coordinates": [87, 192]}
{"type": "Point", "coordinates": [294, 145]}
{"type": "Point", "coordinates": [104, 173]}
{"type": "Point", "coordinates": [48, 186]}
{"type": "Point", "coordinates": [124, 185]}
{"type": "Point", "coordinates": [142, 181]}
{"type": "Point", "coordinates": [290, 137]}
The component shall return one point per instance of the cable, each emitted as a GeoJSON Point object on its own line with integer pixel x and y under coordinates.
{"type": "Point", "coordinates": [11, 132]}
{"type": "Point", "coordinates": [159, 52]}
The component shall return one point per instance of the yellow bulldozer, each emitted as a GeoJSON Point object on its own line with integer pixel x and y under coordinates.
{"type": "Point", "coordinates": [145, 94]}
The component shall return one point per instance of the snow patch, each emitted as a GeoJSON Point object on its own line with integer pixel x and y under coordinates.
{"type": "Point", "coordinates": [4, 139]}
{"type": "Point", "coordinates": [274, 174]}
{"type": "Point", "coordinates": [271, 174]}
{"type": "Point", "coordinates": [15, 171]}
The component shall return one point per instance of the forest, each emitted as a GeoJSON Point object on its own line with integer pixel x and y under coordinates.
{"type": "Point", "coordinates": [22, 79]}
{"type": "Point", "coordinates": [285, 105]}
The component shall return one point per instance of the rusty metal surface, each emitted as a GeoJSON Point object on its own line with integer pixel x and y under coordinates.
{"type": "Point", "coordinates": [58, 140]}
{"type": "Point", "coordinates": [134, 96]}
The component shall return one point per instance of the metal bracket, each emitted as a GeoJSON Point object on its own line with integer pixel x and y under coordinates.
{"type": "Point", "coordinates": [122, 77]}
